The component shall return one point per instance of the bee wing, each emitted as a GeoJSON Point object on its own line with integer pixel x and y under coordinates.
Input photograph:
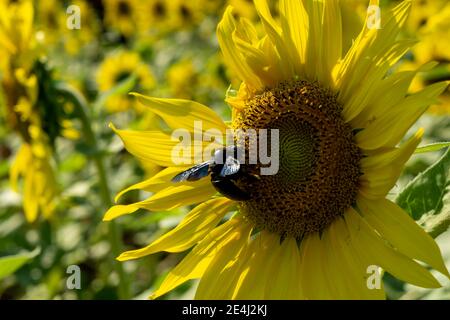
{"type": "Point", "coordinates": [193, 174]}
{"type": "Point", "coordinates": [231, 166]}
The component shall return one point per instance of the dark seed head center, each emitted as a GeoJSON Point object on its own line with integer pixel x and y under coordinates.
{"type": "Point", "coordinates": [319, 169]}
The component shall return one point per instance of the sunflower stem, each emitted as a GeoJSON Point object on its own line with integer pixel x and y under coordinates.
{"type": "Point", "coordinates": [114, 232]}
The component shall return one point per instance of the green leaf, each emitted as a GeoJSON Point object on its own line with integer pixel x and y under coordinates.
{"type": "Point", "coordinates": [427, 197]}
{"type": "Point", "coordinates": [9, 264]}
{"type": "Point", "coordinates": [432, 147]}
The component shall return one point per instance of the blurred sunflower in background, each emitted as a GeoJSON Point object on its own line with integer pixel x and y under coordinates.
{"type": "Point", "coordinates": [430, 23]}
{"type": "Point", "coordinates": [184, 14]}
{"type": "Point", "coordinates": [51, 24]}
{"type": "Point", "coordinates": [163, 16]}
{"type": "Point", "coordinates": [157, 13]}
{"type": "Point", "coordinates": [124, 16]}
{"type": "Point", "coordinates": [19, 83]}
{"type": "Point", "coordinates": [311, 230]}
{"type": "Point", "coordinates": [77, 39]}
{"type": "Point", "coordinates": [182, 78]}
{"type": "Point", "coordinates": [122, 66]}
{"type": "Point", "coordinates": [243, 9]}
{"type": "Point", "coordinates": [50, 20]}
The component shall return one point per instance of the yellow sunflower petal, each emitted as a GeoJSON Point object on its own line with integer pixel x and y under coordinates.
{"type": "Point", "coordinates": [394, 225]}
{"type": "Point", "coordinates": [287, 57]}
{"type": "Point", "coordinates": [366, 55]}
{"type": "Point", "coordinates": [167, 199]}
{"type": "Point", "coordinates": [350, 268]}
{"type": "Point", "coordinates": [369, 89]}
{"type": "Point", "coordinates": [381, 171]}
{"type": "Point", "coordinates": [194, 227]}
{"type": "Point", "coordinates": [297, 23]}
{"type": "Point", "coordinates": [255, 275]}
{"type": "Point", "coordinates": [340, 287]}
{"type": "Point", "coordinates": [231, 54]}
{"type": "Point", "coordinates": [156, 183]}
{"type": "Point", "coordinates": [181, 114]}
{"type": "Point", "coordinates": [31, 195]}
{"type": "Point", "coordinates": [220, 278]}
{"type": "Point", "coordinates": [314, 274]}
{"type": "Point", "coordinates": [388, 129]}
{"type": "Point", "coordinates": [166, 151]}
{"type": "Point", "coordinates": [254, 57]}
{"type": "Point", "coordinates": [377, 252]}
{"type": "Point", "coordinates": [151, 146]}
{"type": "Point", "coordinates": [389, 92]}
{"type": "Point", "coordinates": [21, 161]}
{"type": "Point", "coordinates": [324, 39]}
{"type": "Point", "coordinates": [284, 272]}
{"type": "Point", "coordinates": [196, 262]}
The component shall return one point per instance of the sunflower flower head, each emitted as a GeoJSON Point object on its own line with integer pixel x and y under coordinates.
{"type": "Point", "coordinates": [312, 229]}
{"type": "Point", "coordinates": [123, 16]}
{"type": "Point", "coordinates": [430, 21]}
{"type": "Point", "coordinates": [30, 112]}
{"type": "Point", "coordinates": [182, 77]}
{"type": "Point", "coordinates": [119, 67]}
{"type": "Point", "coordinates": [51, 20]}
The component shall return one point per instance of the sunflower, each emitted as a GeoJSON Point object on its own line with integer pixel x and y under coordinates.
{"type": "Point", "coordinates": [51, 20]}
{"type": "Point", "coordinates": [182, 78]}
{"type": "Point", "coordinates": [117, 68]}
{"type": "Point", "coordinates": [184, 14]}
{"type": "Point", "coordinates": [32, 162]}
{"type": "Point", "coordinates": [157, 13]}
{"type": "Point", "coordinates": [243, 8]}
{"type": "Point", "coordinates": [315, 228]}
{"type": "Point", "coordinates": [430, 22]}
{"type": "Point", "coordinates": [123, 16]}
{"type": "Point", "coordinates": [75, 39]}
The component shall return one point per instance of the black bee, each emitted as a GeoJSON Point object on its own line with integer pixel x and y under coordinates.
{"type": "Point", "coordinates": [224, 168]}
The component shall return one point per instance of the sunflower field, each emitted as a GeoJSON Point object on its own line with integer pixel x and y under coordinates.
{"type": "Point", "coordinates": [224, 149]}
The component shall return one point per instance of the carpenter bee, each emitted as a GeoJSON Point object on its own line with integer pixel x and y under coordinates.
{"type": "Point", "coordinates": [224, 168]}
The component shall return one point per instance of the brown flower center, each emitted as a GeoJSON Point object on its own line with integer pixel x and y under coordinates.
{"type": "Point", "coordinates": [319, 169]}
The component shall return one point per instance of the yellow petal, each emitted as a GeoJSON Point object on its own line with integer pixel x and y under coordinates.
{"type": "Point", "coordinates": [167, 151]}
{"type": "Point", "coordinates": [181, 114]}
{"type": "Point", "coordinates": [21, 162]}
{"type": "Point", "coordinates": [193, 228]}
{"type": "Point", "coordinates": [388, 129]}
{"type": "Point", "coordinates": [366, 56]}
{"type": "Point", "coordinates": [152, 146]}
{"type": "Point", "coordinates": [255, 275]}
{"type": "Point", "coordinates": [295, 23]}
{"type": "Point", "coordinates": [231, 55]}
{"type": "Point", "coordinates": [397, 227]}
{"type": "Point", "coordinates": [370, 89]}
{"type": "Point", "coordinates": [197, 261]}
{"type": "Point", "coordinates": [284, 272]}
{"type": "Point", "coordinates": [287, 57]}
{"type": "Point", "coordinates": [314, 271]}
{"type": "Point", "coordinates": [159, 181]}
{"type": "Point", "coordinates": [381, 171]}
{"type": "Point", "coordinates": [377, 252]}
{"type": "Point", "coordinates": [324, 39]}
{"type": "Point", "coordinates": [350, 268]}
{"type": "Point", "coordinates": [254, 56]}
{"type": "Point", "coordinates": [167, 199]}
{"type": "Point", "coordinates": [389, 92]}
{"type": "Point", "coordinates": [30, 195]}
{"type": "Point", "coordinates": [220, 279]}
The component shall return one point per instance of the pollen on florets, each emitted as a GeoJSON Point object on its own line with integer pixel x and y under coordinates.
{"type": "Point", "coordinates": [319, 160]}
